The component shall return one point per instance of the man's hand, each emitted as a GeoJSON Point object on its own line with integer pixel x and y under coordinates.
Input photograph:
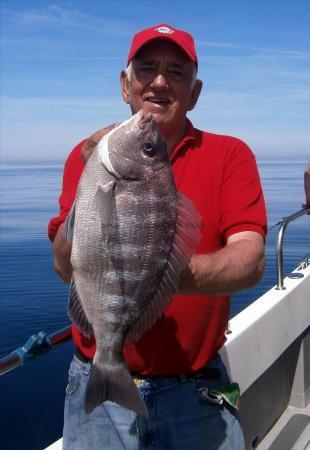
{"type": "Point", "coordinates": [93, 140]}
{"type": "Point", "coordinates": [239, 265]}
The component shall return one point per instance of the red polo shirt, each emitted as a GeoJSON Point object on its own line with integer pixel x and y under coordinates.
{"type": "Point", "coordinates": [219, 174]}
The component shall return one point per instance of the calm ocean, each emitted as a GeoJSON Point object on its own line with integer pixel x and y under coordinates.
{"type": "Point", "coordinates": [34, 299]}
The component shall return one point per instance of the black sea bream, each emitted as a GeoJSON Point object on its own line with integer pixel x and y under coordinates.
{"type": "Point", "coordinates": [132, 236]}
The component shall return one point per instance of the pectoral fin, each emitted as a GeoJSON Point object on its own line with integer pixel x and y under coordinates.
{"type": "Point", "coordinates": [104, 200]}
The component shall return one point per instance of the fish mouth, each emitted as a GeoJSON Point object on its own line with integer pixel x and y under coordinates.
{"type": "Point", "coordinates": [145, 120]}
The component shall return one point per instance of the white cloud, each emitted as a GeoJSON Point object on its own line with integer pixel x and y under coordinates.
{"type": "Point", "coordinates": [44, 14]}
{"type": "Point", "coordinates": [219, 45]}
{"type": "Point", "coordinates": [245, 50]}
{"type": "Point", "coordinates": [264, 104]}
{"type": "Point", "coordinates": [67, 18]}
{"type": "Point", "coordinates": [29, 109]}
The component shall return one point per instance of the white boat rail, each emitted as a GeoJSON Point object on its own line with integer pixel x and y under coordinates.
{"type": "Point", "coordinates": [283, 225]}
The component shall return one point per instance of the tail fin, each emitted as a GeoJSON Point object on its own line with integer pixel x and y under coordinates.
{"type": "Point", "coordinates": [114, 383]}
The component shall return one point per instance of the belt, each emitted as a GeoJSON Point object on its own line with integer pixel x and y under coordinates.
{"type": "Point", "coordinates": [212, 373]}
{"type": "Point", "coordinates": [79, 355]}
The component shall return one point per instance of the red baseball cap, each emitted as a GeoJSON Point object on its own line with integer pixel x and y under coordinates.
{"type": "Point", "coordinates": [163, 31]}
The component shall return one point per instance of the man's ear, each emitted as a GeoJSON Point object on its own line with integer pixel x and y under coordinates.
{"type": "Point", "coordinates": [124, 86]}
{"type": "Point", "coordinates": [195, 94]}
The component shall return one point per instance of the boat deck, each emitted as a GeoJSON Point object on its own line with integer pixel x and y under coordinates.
{"type": "Point", "coordinates": [291, 432]}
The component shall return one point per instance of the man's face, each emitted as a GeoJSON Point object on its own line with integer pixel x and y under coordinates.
{"type": "Point", "coordinates": [162, 83]}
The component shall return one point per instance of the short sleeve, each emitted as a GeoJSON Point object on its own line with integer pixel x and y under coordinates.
{"type": "Point", "coordinates": [242, 199]}
{"type": "Point", "coordinates": [72, 172]}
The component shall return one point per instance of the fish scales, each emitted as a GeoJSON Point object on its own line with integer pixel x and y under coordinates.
{"type": "Point", "coordinates": [124, 232]}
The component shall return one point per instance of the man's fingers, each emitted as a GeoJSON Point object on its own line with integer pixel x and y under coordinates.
{"type": "Point", "coordinates": [93, 140]}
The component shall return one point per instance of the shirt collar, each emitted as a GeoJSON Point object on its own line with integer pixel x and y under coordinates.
{"type": "Point", "coordinates": [186, 141]}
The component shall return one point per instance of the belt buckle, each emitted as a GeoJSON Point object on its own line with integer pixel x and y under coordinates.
{"type": "Point", "coordinates": [138, 381]}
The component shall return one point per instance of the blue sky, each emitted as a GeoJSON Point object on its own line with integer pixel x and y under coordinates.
{"type": "Point", "coordinates": [60, 65]}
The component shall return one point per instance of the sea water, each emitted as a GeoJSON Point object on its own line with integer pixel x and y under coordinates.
{"type": "Point", "coordinates": [33, 298]}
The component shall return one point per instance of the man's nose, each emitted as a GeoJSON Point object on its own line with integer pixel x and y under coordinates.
{"type": "Point", "coordinates": [159, 81]}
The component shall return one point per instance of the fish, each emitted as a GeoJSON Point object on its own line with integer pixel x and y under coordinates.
{"type": "Point", "coordinates": [132, 236]}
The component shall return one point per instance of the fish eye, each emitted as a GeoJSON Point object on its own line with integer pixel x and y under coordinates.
{"type": "Point", "coordinates": [148, 148]}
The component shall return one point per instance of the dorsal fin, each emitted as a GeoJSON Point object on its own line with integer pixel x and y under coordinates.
{"type": "Point", "coordinates": [186, 239]}
{"type": "Point", "coordinates": [70, 222]}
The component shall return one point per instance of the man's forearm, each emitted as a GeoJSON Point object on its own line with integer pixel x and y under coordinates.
{"type": "Point", "coordinates": [62, 255]}
{"type": "Point", "coordinates": [237, 266]}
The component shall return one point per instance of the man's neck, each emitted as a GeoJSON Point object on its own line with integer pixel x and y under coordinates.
{"type": "Point", "coordinates": [174, 137]}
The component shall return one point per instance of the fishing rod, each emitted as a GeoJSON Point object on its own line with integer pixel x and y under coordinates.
{"type": "Point", "coordinates": [36, 345]}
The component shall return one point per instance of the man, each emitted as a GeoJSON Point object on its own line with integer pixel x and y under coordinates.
{"type": "Point", "coordinates": [176, 361]}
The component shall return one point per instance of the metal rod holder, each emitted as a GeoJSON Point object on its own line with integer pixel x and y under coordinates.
{"type": "Point", "coordinates": [283, 224]}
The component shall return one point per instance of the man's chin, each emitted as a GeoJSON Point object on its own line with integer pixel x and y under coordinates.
{"type": "Point", "coordinates": [156, 108]}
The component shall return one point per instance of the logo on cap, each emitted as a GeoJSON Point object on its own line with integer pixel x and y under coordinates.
{"type": "Point", "coordinates": [164, 30]}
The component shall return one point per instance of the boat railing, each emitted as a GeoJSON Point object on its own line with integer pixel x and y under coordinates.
{"type": "Point", "coordinates": [280, 242]}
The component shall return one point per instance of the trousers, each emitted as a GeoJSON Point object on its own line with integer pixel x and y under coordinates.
{"type": "Point", "coordinates": [181, 415]}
